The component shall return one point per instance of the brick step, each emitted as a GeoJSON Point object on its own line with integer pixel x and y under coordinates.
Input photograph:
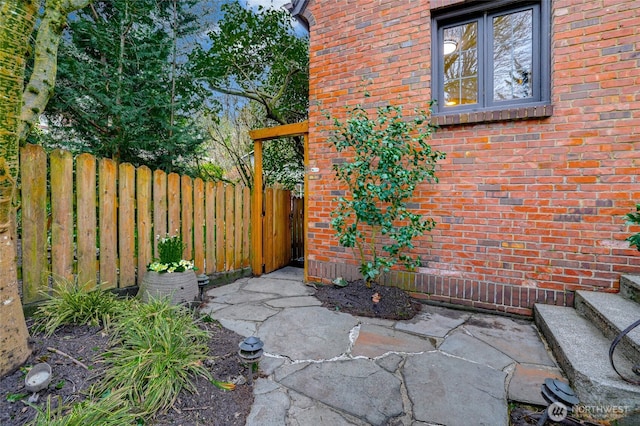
{"type": "Point", "coordinates": [612, 313]}
{"type": "Point", "coordinates": [583, 353]}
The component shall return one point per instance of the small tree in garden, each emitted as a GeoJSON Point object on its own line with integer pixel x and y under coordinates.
{"type": "Point", "coordinates": [634, 219]}
{"type": "Point", "coordinates": [386, 159]}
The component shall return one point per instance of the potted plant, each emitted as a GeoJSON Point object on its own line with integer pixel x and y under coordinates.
{"type": "Point", "coordinates": [170, 275]}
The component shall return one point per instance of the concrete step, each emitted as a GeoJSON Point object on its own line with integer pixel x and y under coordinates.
{"type": "Point", "coordinates": [582, 352]}
{"type": "Point", "coordinates": [612, 313]}
{"type": "Point", "coordinates": [630, 287]}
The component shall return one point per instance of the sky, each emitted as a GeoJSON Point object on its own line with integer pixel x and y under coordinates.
{"type": "Point", "coordinates": [268, 3]}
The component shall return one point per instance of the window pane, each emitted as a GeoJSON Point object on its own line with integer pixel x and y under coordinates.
{"type": "Point", "coordinates": [513, 56]}
{"type": "Point", "coordinates": [460, 52]}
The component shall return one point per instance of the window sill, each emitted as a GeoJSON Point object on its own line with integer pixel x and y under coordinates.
{"type": "Point", "coordinates": [488, 116]}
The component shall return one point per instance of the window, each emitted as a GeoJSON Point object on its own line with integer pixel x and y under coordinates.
{"type": "Point", "coordinates": [491, 59]}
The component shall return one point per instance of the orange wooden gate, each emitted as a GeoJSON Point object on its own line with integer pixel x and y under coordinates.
{"type": "Point", "coordinates": [276, 229]}
{"type": "Point", "coordinates": [270, 235]}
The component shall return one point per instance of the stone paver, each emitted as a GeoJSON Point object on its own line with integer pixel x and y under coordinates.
{"type": "Point", "coordinates": [434, 321]}
{"type": "Point", "coordinates": [374, 341]}
{"type": "Point", "coordinates": [515, 338]}
{"type": "Point", "coordinates": [330, 368]}
{"type": "Point", "coordinates": [359, 387]}
{"type": "Point", "coordinates": [527, 380]}
{"type": "Point", "coordinates": [307, 333]}
{"type": "Point", "coordinates": [453, 392]}
{"type": "Point", "coordinates": [472, 349]}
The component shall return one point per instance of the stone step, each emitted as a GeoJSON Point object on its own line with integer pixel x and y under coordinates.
{"type": "Point", "coordinates": [582, 352]}
{"type": "Point", "coordinates": [630, 287]}
{"type": "Point", "coordinates": [612, 313]}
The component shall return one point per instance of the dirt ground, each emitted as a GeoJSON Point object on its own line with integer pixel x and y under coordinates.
{"type": "Point", "coordinates": [357, 299]}
{"type": "Point", "coordinates": [211, 406]}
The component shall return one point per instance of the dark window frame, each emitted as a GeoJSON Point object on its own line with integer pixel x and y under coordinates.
{"type": "Point", "coordinates": [486, 108]}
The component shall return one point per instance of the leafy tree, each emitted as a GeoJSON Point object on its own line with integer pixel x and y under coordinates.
{"type": "Point", "coordinates": [18, 112]}
{"type": "Point", "coordinates": [388, 158]}
{"type": "Point", "coordinates": [634, 219]}
{"type": "Point", "coordinates": [256, 56]}
{"type": "Point", "coordinates": [123, 92]}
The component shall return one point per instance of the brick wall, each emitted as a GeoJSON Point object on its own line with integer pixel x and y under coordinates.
{"type": "Point", "coordinates": [528, 210]}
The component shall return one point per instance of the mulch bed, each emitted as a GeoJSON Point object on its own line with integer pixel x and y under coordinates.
{"type": "Point", "coordinates": [210, 406]}
{"type": "Point", "coordinates": [358, 299]}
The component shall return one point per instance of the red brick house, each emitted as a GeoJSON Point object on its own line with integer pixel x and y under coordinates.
{"type": "Point", "coordinates": [538, 104]}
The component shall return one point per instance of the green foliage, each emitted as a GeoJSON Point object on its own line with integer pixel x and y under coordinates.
{"type": "Point", "coordinates": [386, 158]}
{"type": "Point", "coordinates": [71, 304]}
{"type": "Point", "coordinates": [256, 55]}
{"type": "Point", "coordinates": [121, 92]}
{"type": "Point", "coordinates": [634, 219]}
{"type": "Point", "coordinates": [170, 249]}
{"type": "Point", "coordinates": [158, 348]}
{"type": "Point", "coordinates": [112, 410]}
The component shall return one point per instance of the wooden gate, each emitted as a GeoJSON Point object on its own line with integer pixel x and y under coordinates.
{"type": "Point", "coordinates": [276, 229]}
{"type": "Point", "coordinates": [273, 250]}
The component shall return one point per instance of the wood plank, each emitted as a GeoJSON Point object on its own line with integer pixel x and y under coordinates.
{"type": "Point", "coordinates": [126, 225]}
{"type": "Point", "coordinates": [173, 204]}
{"type": "Point", "coordinates": [210, 223]}
{"type": "Point", "coordinates": [256, 211]}
{"type": "Point", "coordinates": [86, 220]}
{"type": "Point", "coordinates": [186, 213]}
{"type": "Point", "coordinates": [229, 225]}
{"type": "Point", "coordinates": [220, 252]}
{"type": "Point", "coordinates": [305, 220]}
{"type": "Point", "coordinates": [237, 223]}
{"type": "Point", "coordinates": [198, 224]}
{"type": "Point", "coordinates": [108, 223]}
{"type": "Point", "coordinates": [246, 218]}
{"type": "Point", "coordinates": [160, 208]}
{"type": "Point", "coordinates": [35, 264]}
{"type": "Point", "coordinates": [62, 215]}
{"type": "Point", "coordinates": [144, 222]}
{"type": "Point", "coordinates": [267, 241]}
{"type": "Point", "coordinates": [295, 129]}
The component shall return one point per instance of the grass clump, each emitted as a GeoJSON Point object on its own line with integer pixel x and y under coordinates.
{"type": "Point", "coordinates": [71, 304]}
{"type": "Point", "coordinates": [158, 349]}
{"type": "Point", "coordinates": [113, 410]}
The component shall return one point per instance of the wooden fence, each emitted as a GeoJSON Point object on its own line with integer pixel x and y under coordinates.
{"type": "Point", "coordinates": [97, 221]}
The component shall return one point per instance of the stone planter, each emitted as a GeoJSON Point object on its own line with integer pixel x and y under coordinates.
{"type": "Point", "coordinates": [178, 287]}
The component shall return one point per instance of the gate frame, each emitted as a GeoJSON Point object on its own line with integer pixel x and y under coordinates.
{"type": "Point", "coordinates": [259, 136]}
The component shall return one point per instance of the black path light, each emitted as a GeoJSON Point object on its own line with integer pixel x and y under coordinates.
{"type": "Point", "coordinates": [561, 399]}
{"type": "Point", "coordinates": [203, 280]}
{"type": "Point", "coordinates": [251, 351]}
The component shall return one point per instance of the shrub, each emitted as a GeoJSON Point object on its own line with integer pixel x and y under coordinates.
{"type": "Point", "coordinates": [71, 304]}
{"type": "Point", "coordinates": [634, 219]}
{"type": "Point", "coordinates": [388, 157]}
{"type": "Point", "coordinates": [157, 350]}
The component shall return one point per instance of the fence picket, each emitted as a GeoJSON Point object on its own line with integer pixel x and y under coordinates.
{"type": "Point", "coordinates": [61, 215]}
{"type": "Point", "coordinates": [220, 252]}
{"type": "Point", "coordinates": [159, 208]}
{"type": "Point", "coordinates": [173, 204]}
{"type": "Point", "coordinates": [237, 221]}
{"type": "Point", "coordinates": [246, 218]}
{"type": "Point", "coordinates": [33, 167]}
{"type": "Point", "coordinates": [144, 222]}
{"type": "Point", "coordinates": [210, 224]}
{"type": "Point", "coordinates": [186, 216]}
{"type": "Point", "coordinates": [126, 224]}
{"type": "Point", "coordinates": [107, 219]}
{"type": "Point", "coordinates": [198, 224]}
{"type": "Point", "coordinates": [228, 221]}
{"type": "Point", "coordinates": [87, 222]}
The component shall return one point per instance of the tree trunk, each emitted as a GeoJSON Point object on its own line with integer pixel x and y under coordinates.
{"type": "Point", "coordinates": [17, 20]}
